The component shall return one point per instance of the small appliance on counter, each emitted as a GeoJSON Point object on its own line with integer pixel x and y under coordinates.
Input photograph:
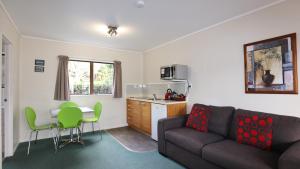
{"type": "Point", "coordinates": [180, 97]}
{"type": "Point", "coordinates": [172, 95]}
{"type": "Point", "coordinates": [168, 94]}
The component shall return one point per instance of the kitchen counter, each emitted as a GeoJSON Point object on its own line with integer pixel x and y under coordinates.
{"type": "Point", "coordinates": [159, 101]}
{"type": "Point", "coordinates": [143, 113]}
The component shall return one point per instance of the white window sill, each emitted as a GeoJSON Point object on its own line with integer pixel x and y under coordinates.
{"type": "Point", "coordinates": [81, 95]}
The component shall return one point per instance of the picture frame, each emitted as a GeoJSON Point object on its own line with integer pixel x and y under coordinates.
{"type": "Point", "coordinates": [39, 62]}
{"type": "Point", "coordinates": [271, 66]}
{"type": "Point", "coordinates": [39, 68]}
{"type": "Point", "coordinates": [39, 65]}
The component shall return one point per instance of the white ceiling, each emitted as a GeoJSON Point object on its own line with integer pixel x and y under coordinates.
{"type": "Point", "coordinates": [158, 22]}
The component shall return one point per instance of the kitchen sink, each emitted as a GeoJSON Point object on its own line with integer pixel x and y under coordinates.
{"type": "Point", "coordinates": [147, 98]}
{"type": "Point", "coordinates": [153, 99]}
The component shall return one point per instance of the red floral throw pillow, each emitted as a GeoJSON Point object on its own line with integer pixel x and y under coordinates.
{"type": "Point", "coordinates": [255, 130]}
{"type": "Point", "coordinates": [198, 118]}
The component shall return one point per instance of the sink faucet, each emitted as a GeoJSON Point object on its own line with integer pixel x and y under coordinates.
{"type": "Point", "coordinates": [154, 97]}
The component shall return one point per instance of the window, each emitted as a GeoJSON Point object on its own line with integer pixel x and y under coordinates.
{"type": "Point", "coordinates": [79, 77]}
{"type": "Point", "coordinates": [103, 78]}
{"type": "Point", "coordinates": [87, 77]}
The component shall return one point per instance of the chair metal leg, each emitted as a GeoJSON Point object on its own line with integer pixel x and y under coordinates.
{"type": "Point", "coordinates": [36, 135]}
{"type": "Point", "coordinates": [71, 134]}
{"type": "Point", "coordinates": [54, 139]}
{"type": "Point", "coordinates": [72, 140]}
{"type": "Point", "coordinates": [82, 129]}
{"type": "Point", "coordinates": [58, 136]}
{"type": "Point", "coordinates": [79, 138]}
{"type": "Point", "coordinates": [28, 149]}
{"type": "Point", "coordinates": [64, 142]}
{"type": "Point", "coordinates": [78, 133]}
{"type": "Point", "coordinates": [93, 127]}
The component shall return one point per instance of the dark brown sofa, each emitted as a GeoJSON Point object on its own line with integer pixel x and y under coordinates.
{"type": "Point", "coordinates": [218, 148]}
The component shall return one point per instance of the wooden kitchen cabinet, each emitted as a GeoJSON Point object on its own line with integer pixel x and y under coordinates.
{"type": "Point", "coordinates": [133, 114]}
{"type": "Point", "coordinates": [174, 110]}
{"type": "Point", "coordinates": [146, 117]}
{"type": "Point", "coordinates": [139, 114]}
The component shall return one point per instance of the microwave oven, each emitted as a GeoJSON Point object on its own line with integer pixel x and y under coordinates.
{"type": "Point", "coordinates": [174, 72]}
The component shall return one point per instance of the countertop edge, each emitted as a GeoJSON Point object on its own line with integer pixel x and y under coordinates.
{"type": "Point", "coordinates": [163, 102]}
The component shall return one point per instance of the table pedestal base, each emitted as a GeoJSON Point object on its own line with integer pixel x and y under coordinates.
{"type": "Point", "coordinates": [71, 139]}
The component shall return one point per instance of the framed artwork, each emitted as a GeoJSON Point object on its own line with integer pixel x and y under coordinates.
{"type": "Point", "coordinates": [39, 62]}
{"type": "Point", "coordinates": [271, 66]}
{"type": "Point", "coordinates": [39, 68]}
{"type": "Point", "coordinates": [39, 65]}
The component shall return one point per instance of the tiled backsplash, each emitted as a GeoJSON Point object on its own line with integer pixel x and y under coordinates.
{"type": "Point", "coordinates": [147, 90]}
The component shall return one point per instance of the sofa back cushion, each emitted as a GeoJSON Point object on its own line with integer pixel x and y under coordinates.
{"type": "Point", "coordinates": [256, 130]}
{"type": "Point", "coordinates": [198, 118]}
{"type": "Point", "coordinates": [286, 129]}
{"type": "Point", "coordinates": [220, 120]}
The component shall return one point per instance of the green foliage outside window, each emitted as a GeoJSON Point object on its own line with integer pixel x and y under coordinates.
{"type": "Point", "coordinates": [79, 78]}
{"type": "Point", "coordinates": [103, 78]}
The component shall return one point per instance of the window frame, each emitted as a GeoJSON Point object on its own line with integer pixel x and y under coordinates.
{"type": "Point", "coordinates": [91, 76]}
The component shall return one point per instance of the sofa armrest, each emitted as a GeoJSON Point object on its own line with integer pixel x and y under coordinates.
{"type": "Point", "coordinates": [290, 159]}
{"type": "Point", "coordinates": [167, 124]}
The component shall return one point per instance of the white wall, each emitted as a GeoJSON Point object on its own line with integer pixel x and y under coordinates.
{"type": "Point", "coordinates": [215, 58]}
{"type": "Point", "coordinates": [37, 89]}
{"type": "Point", "coordinates": [216, 61]}
{"type": "Point", "coordinates": [8, 30]}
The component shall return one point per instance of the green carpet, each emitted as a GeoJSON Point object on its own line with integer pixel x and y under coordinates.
{"type": "Point", "coordinates": [95, 154]}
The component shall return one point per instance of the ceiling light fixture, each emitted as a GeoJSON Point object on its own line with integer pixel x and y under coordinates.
{"type": "Point", "coordinates": [140, 4]}
{"type": "Point", "coordinates": [112, 30]}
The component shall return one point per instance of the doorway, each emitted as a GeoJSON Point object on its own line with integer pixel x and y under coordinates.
{"type": "Point", "coordinates": [6, 107]}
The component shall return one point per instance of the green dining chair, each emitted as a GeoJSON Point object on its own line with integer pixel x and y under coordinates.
{"type": "Point", "coordinates": [30, 116]}
{"type": "Point", "coordinates": [68, 104]}
{"type": "Point", "coordinates": [95, 119]}
{"type": "Point", "coordinates": [69, 118]}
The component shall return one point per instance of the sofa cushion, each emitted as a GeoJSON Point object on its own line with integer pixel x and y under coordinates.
{"type": "Point", "coordinates": [198, 118]}
{"type": "Point", "coordinates": [190, 139]}
{"type": "Point", "coordinates": [220, 120]}
{"type": "Point", "coordinates": [255, 130]}
{"type": "Point", "coordinates": [231, 155]}
{"type": "Point", "coordinates": [283, 136]}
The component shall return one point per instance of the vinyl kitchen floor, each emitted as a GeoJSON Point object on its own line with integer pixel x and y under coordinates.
{"type": "Point", "coordinates": [133, 140]}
